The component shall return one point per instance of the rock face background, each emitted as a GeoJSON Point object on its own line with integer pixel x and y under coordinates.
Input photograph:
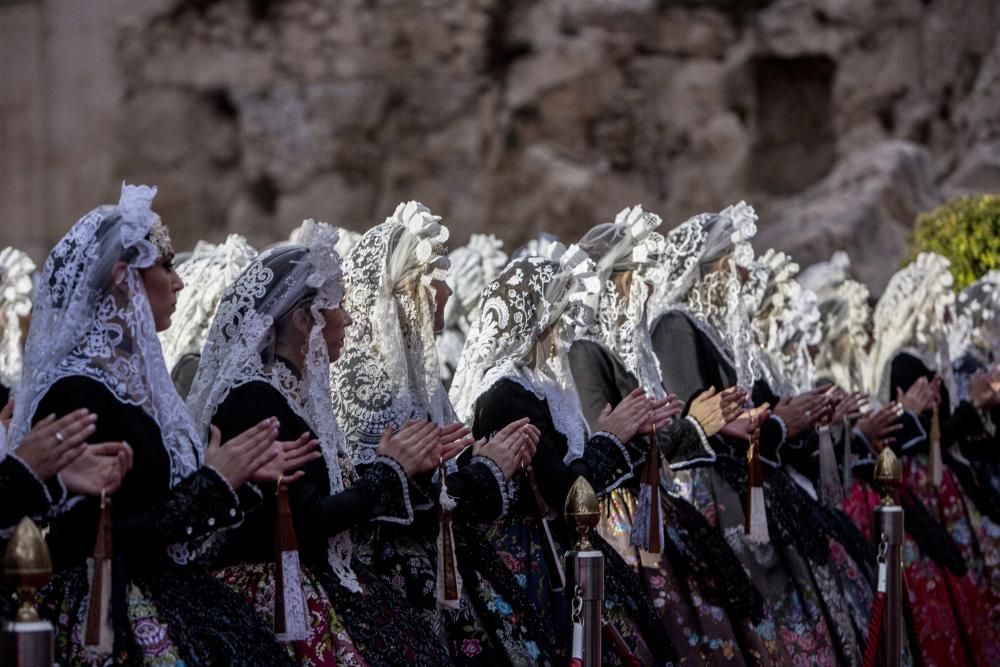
{"type": "Point", "coordinates": [838, 119]}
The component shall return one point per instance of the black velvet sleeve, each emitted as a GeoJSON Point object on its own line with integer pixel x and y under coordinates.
{"type": "Point", "coordinates": [148, 515]}
{"type": "Point", "coordinates": [23, 494]}
{"type": "Point", "coordinates": [605, 463]}
{"type": "Point", "coordinates": [603, 380]}
{"type": "Point", "coordinates": [683, 366]}
{"type": "Point", "coordinates": [380, 492]}
{"type": "Point", "coordinates": [480, 492]}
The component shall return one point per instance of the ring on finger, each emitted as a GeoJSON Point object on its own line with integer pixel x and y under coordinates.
{"type": "Point", "coordinates": [60, 437]}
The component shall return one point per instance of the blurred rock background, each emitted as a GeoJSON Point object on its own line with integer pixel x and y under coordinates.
{"type": "Point", "coordinates": [839, 120]}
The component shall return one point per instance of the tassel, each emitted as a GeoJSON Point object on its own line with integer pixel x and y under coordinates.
{"type": "Point", "coordinates": [290, 620]}
{"type": "Point", "coordinates": [554, 564]}
{"type": "Point", "coordinates": [934, 463]}
{"type": "Point", "coordinates": [755, 526]}
{"type": "Point", "coordinates": [98, 633]}
{"type": "Point", "coordinates": [449, 582]}
{"type": "Point", "coordinates": [848, 458]}
{"type": "Point", "coordinates": [647, 529]}
{"type": "Point", "coordinates": [830, 491]}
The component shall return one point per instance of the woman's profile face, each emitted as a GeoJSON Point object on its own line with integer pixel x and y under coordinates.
{"type": "Point", "coordinates": [335, 330]}
{"type": "Point", "coordinates": [162, 285]}
{"type": "Point", "coordinates": [441, 294]}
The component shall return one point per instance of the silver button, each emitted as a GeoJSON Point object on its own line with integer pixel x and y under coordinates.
{"type": "Point", "coordinates": [211, 521]}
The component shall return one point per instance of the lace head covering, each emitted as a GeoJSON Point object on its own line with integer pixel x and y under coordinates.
{"type": "Point", "coordinates": [785, 323]}
{"type": "Point", "coordinates": [976, 326]}
{"type": "Point", "coordinates": [209, 271]}
{"type": "Point", "coordinates": [536, 247]}
{"type": "Point", "coordinates": [241, 348]}
{"type": "Point", "coordinates": [628, 244]}
{"type": "Point", "coordinates": [690, 283]}
{"type": "Point", "coordinates": [347, 238]}
{"type": "Point", "coordinates": [910, 317]}
{"type": "Point", "coordinates": [15, 303]}
{"type": "Point", "coordinates": [532, 296]}
{"type": "Point", "coordinates": [389, 371]}
{"type": "Point", "coordinates": [473, 266]}
{"type": "Point", "coordinates": [86, 323]}
{"type": "Point", "coordinates": [841, 348]}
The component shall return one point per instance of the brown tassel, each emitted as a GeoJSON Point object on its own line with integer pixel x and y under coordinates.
{"type": "Point", "coordinates": [755, 526]}
{"type": "Point", "coordinates": [448, 581]}
{"type": "Point", "coordinates": [647, 529]}
{"type": "Point", "coordinates": [98, 633]}
{"type": "Point", "coordinates": [290, 623]}
{"type": "Point", "coordinates": [934, 470]}
{"type": "Point", "coordinates": [557, 575]}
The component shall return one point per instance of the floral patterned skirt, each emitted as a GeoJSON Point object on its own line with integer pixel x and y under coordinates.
{"type": "Point", "coordinates": [779, 572]}
{"type": "Point", "coordinates": [518, 540]}
{"type": "Point", "coordinates": [701, 632]}
{"type": "Point", "coordinates": [328, 642]}
{"type": "Point", "coordinates": [493, 624]}
{"type": "Point", "coordinates": [178, 616]}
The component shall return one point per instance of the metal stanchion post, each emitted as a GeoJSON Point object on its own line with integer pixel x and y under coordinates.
{"type": "Point", "coordinates": [888, 532]}
{"type": "Point", "coordinates": [27, 640]}
{"type": "Point", "coordinates": [585, 572]}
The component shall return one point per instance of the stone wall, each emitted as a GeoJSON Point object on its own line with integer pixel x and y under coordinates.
{"type": "Point", "coordinates": [837, 119]}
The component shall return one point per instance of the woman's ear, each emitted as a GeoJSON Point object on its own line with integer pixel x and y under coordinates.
{"type": "Point", "coordinates": [118, 273]}
{"type": "Point", "coordinates": [302, 321]}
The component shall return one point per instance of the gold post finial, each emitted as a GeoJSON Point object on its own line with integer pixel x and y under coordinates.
{"type": "Point", "coordinates": [584, 510]}
{"type": "Point", "coordinates": [27, 567]}
{"type": "Point", "coordinates": [888, 476]}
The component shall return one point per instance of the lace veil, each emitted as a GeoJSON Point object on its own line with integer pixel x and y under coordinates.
{"type": "Point", "coordinates": [910, 317]}
{"type": "Point", "coordinates": [208, 272]}
{"type": "Point", "coordinates": [15, 303]}
{"type": "Point", "coordinates": [628, 244]}
{"type": "Point", "coordinates": [389, 371]}
{"type": "Point", "coordinates": [84, 323]}
{"type": "Point", "coordinates": [785, 324]}
{"type": "Point", "coordinates": [713, 298]}
{"type": "Point", "coordinates": [976, 327]}
{"type": "Point", "coordinates": [240, 349]}
{"type": "Point", "coordinates": [531, 297]}
{"type": "Point", "coordinates": [473, 266]}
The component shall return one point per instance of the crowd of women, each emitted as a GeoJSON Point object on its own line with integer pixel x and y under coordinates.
{"type": "Point", "coordinates": [356, 448]}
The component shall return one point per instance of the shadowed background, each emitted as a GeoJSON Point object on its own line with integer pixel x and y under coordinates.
{"type": "Point", "coordinates": [839, 120]}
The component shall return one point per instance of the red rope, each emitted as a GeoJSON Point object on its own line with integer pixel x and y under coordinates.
{"type": "Point", "coordinates": [874, 630]}
{"type": "Point", "coordinates": [621, 648]}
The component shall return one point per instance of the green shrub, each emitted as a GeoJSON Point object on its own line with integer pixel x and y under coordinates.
{"type": "Point", "coordinates": [966, 230]}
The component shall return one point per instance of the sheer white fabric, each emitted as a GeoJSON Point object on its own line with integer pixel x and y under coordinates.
{"type": "Point", "coordinates": [209, 271]}
{"type": "Point", "coordinates": [473, 266]}
{"type": "Point", "coordinates": [910, 316]}
{"type": "Point", "coordinates": [785, 324]}
{"type": "Point", "coordinates": [713, 298]}
{"type": "Point", "coordinates": [621, 326]}
{"type": "Point", "coordinates": [240, 349]}
{"type": "Point", "coordinates": [844, 320]}
{"type": "Point", "coordinates": [84, 323]}
{"type": "Point", "coordinates": [528, 317]}
{"type": "Point", "coordinates": [15, 303]}
{"type": "Point", "coordinates": [389, 372]}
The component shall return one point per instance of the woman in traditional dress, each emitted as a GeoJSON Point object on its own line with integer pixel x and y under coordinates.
{"type": "Point", "coordinates": [706, 602]}
{"type": "Point", "coordinates": [702, 337]}
{"type": "Point", "coordinates": [268, 354]}
{"type": "Point", "coordinates": [107, 287]}
{"type": "Point", "coordinates": [515, 363]}
{"type": "Point", "coordinates": [213, 268]}
{"type": "Point", "coordinates": [389, 374]}
{"type": "Point", "coordinates": [911, 352]}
